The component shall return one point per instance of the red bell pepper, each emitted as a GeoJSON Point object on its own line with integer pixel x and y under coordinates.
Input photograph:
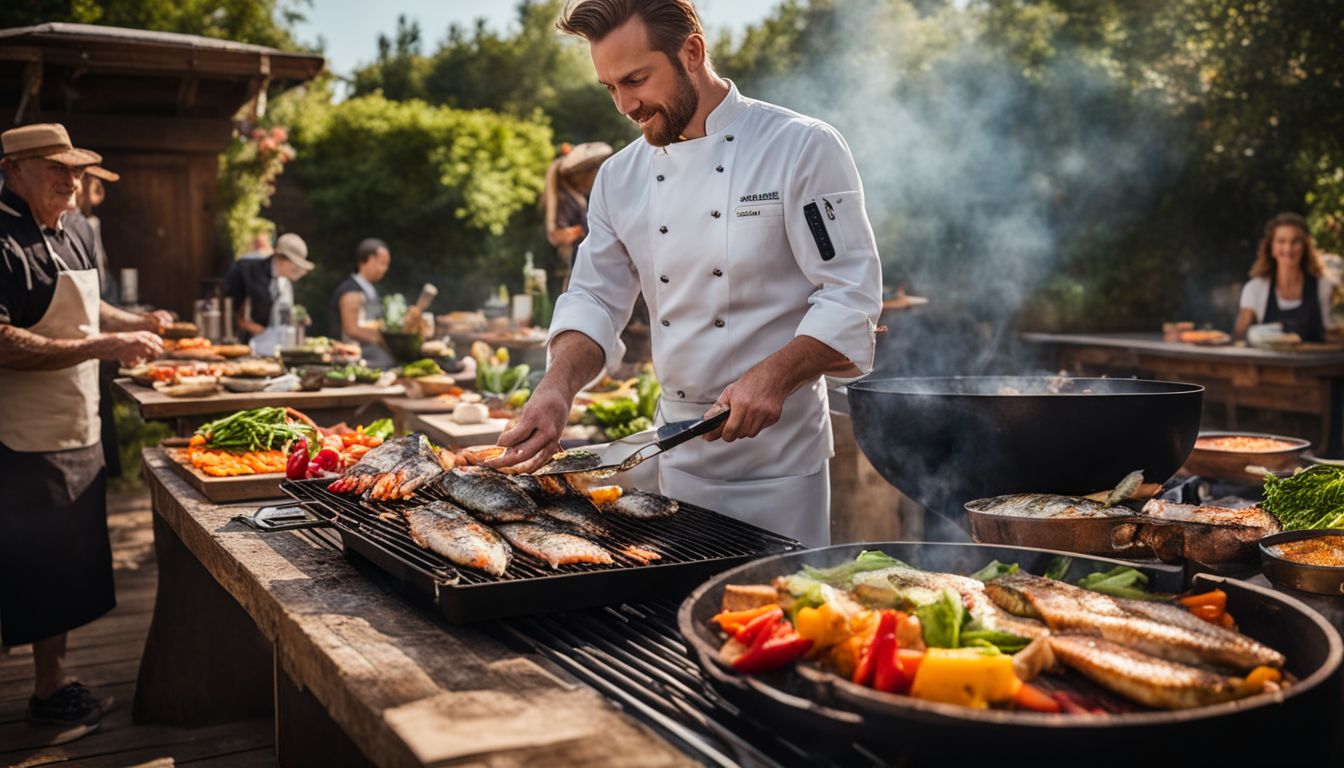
{"type": "Point", "coordinates": [296, 466]}
{"type": "Point", "coordinates": [774, 646]}
{"type": "Point", "coordinates": [882, 645]}
{"type": "Point", "coordinates": [326, 460]}
{"type": "Point", "coordinates": [752, 629]}
{"type": "Point", "coordinates": [887, 676]}
{"type": "Point", "coordinates": [732, 622]}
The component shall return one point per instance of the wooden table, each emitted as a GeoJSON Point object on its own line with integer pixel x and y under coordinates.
{"type": "Point", "coordinates": [248, 623]}
{"type": "Point", "coordinates": [1290, 382]}
{"type": "Point", "coordinates": [333, 404]}
{"type": "Point", "coordinates": [442, 430]}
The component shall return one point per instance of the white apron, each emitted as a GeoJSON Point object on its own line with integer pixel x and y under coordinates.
{"type": "Point", "coordinates": [46, 411]}
{"type": "Point", "coordinates": [375, 356]}
{"type": "Point", "coordinates": [272, 338]}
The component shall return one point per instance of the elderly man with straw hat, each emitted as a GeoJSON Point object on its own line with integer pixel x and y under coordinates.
{"type": "Point", "coordinates": [55, 558]}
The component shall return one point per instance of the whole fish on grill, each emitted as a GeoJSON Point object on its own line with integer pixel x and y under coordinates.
{"type": "Point", "coordinates": [1046, 506]}
{"type": "Point", "coordinates": [643, 505]}
{"type": "Point", "coordinates": [420, 466]}
{"type": "Point", "coordinates": [376, 463]}
{"type": "Point", "coordinates": [445, 529]}
{"type": "Point", "coordinates": [542, 488]}
{"type": "Point", "coordinates": [576, 511]}
{"type": "Point", "coordinates": [1145, 627]}
{"type": "Point", "coordinates": [1142, 678]}
{"type": "Point", "coordinates": [488, 494]}
{"type": "Point", "coordinates": [553, 543]}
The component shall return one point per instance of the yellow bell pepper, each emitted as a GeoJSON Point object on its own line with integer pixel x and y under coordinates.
{"type": "Point", "coordinates": [823, 625]}
{"type": "Point", "coordinates": [966, 676]}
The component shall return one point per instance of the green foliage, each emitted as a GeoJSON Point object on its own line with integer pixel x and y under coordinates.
{"type": "Point", "coordinates": [133, 434]}
{"type": "Point", "coordinates": [440, 185]}
{"type": "Point", "coordinates": [261, 22]}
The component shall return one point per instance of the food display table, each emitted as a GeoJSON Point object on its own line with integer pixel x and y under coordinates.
{"type": "Point", "coordinates": [1287, 381]}
{"type": "Point", "coordinates": [326, 406]}
{"type": "Point", "coordinates": [246, 623]}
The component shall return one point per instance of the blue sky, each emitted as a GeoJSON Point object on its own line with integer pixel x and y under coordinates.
{"type": "Point", "coordinates": [351, 27]}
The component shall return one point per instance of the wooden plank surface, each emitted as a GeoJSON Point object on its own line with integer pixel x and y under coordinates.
{"type": "Point", "coordinates": [223, 490]}
{"type": "Point", "coordinates": [105, 655]}
{"type": "Point", "coordinates": [156, 405]}
{"type": "Point", "coordinates": [442, 430]}
{"type": "Point", "coordinates": [408, 689]}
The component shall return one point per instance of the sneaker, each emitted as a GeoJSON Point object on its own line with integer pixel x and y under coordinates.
{"type": "Point", "coordinates": [72, 705]}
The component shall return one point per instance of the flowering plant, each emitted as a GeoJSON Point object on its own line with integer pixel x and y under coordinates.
{"type": "Point", "coordinates": [247, 173]}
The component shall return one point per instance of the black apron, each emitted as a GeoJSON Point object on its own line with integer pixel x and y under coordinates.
{"type": "Point", "coordinates": [1305, 321]}
{"type": "Point", "coordinates": [55, 558]}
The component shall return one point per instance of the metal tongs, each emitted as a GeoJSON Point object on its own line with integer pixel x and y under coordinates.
{"type": "Point", "coordinates": [630, 451]}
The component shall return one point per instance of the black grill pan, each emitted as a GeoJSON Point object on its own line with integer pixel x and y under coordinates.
{"type": "Point", "coordinates": [694, 544]}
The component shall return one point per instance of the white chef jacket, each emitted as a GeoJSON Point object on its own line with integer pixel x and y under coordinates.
{"type": "Point", "coordinates": [716, 234]}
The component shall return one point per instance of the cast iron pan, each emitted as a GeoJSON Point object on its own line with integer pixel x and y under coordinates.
{"type": "Point", "coordinates": [824, 707]}
{"type": "Point", "coordinates": [1320, 579]}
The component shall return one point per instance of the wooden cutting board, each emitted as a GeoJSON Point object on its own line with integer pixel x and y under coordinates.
{"type": "Point", "coordinates": [223, 490]}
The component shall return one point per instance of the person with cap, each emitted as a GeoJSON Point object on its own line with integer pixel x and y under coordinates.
{"type": "Point", "coordinates": [355, 302]}
{"type": "Point", "coordinates": [55, 557]}
{"type": "Point", "coordinates": [263, 292]}
{"type": "Point", "coordinates": [743, 226]}
{"type": "Point", "coordinates": [569, 182]}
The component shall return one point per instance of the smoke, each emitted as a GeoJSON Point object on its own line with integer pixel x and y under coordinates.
{"type": "Point", "coordinates": [980, 180]}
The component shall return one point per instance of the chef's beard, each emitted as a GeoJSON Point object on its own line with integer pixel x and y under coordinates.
{"type": "Point", "coordinates": [676, 116]}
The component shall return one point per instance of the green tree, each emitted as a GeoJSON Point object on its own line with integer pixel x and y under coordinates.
{"type": "Point", "coordinates": [261, 22]}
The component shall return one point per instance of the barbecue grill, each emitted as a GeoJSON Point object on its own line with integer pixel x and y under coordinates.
{"type": "Point", "coordinates": [692, 545]}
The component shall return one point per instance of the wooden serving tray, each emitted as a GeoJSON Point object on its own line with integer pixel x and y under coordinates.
{"type": "Point", "coordinates": [223, 490]}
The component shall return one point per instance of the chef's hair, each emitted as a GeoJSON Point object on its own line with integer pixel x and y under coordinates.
{"type": "Point", "coordinates": [670, 22]}
{"type": "Point", "coordinates": [1264, 255]}
{"type": "Point", "coordinates": [367, 248]}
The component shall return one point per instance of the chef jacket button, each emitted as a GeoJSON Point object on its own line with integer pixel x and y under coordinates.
{"type": "Point", "coordinates": [660, 177]}
{"type": "Point", "coordinates": [719, 168]}
{"type": "Point", "coordinates": [718, 272]}
{"type": "Point", "coordinates": [718, 322]}
{"type": "Point", "coordinates": [681, 394]}
{"type": "Point", "coordinates": [730, 137]}
{"type": "Point", "coordinates": [663, 230]}
{"type": "Point", "coordinates": [663, 278]}
{"type": "Point", "coordinates": [665, 323]}
{"type": "Point", "coordinates": [716, 214]}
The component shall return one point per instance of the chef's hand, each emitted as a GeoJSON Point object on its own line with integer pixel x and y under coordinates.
{"type": "Point", "coordinates": [157, 320]}
{"type": "Point", "coordinates": [756, 401]}
{"type": "Point", "coordinates": [536, 437]}
{"type": "Point", "coordinates": [131, 347]}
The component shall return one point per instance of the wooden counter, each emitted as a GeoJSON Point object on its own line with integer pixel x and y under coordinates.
{"type": "Point", "coordinates": [359, 403]}
{"type": "Point", "coordinates": [1233, 376]}
{"type": "Point", "coordinates": [357, 675]}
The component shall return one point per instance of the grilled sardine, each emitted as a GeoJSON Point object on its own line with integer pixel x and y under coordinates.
{"type": "Point", "coordinates": [373, 466]}
{"type": "Point", "coordinates": [1152, 629]}
{"type": "Point", "coordinates": [1141, 678]}
{"type": "Point", "coordinates": [553, 544]}
{"type": "Point", "coordinates": [420, 466]}
{"type": "Point", "coordinates": [643, 505]}
{"type": "Point", "coordinates": [488, 494]}
{"type": "Point", "coordinates": [445, 529]}
{"type": "Point", "coordinates": [576, 511]}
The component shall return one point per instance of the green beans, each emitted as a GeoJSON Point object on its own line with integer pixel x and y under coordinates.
{"type": "Point", "coordinates": [253, 430]}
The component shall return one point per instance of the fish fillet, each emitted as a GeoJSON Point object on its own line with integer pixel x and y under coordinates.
{"type": "Point", "coordinates": [446, 530]}
{"type": "Point", "coordinates": [1046, 505]}
{"type": "Point", "coordinates": [488, 494]}
{"type": "Point", "coordinates": [642, 505]}
{"type": "Point", "coordinates": [552, 544]}
{"type": "Point", "coordinates": [1141, 678]}
{"type": "Point", "coordinates": [377, 462]}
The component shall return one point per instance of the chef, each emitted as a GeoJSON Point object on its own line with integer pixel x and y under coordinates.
{"type": "Point", "coordinates": [263, 292]}
{"type": "Point", "coordinates": [355, 304]}
{"type": "Point", "coordinates": [55, 558]}
{"type": "Point", "coordinates": [743, 226]}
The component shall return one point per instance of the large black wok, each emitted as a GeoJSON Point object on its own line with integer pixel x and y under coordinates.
{"type": "Point", "coordinates": [946, 441]}
{"type": "Point", "coordinates": [812, 705]}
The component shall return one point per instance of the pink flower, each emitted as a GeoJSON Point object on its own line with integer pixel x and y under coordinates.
{"type": "Point", "coordinates": [257, 133]}
{"type": "Point", "coordinates": [279, 133]}
{"type": "Point", "coordinates": [267, 145]}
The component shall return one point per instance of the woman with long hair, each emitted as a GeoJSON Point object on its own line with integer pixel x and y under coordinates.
{"type": "Point", "coordinates": [569, 181]}
{"type": "Point", "coordinates": [1288, 283]}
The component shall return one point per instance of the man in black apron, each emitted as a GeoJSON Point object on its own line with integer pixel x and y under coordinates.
{"type": "Point", "coordinates": [55, 558]}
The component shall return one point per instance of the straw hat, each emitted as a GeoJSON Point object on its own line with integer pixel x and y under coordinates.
{"type": "Point", "coordinates": [292, 247]}
{"type": "Point", "coordinates": [583, 157]}
{"type": "Point", "coordinates": [48, 141]}
{"type": "Point", "coordinates": [99, 172]}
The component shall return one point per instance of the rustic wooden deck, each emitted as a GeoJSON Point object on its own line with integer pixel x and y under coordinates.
{"type": "Point", "coordinates": [106, 656]}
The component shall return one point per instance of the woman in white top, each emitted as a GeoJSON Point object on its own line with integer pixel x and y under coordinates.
{"type": "Point", "coordinates": [1288, 283]}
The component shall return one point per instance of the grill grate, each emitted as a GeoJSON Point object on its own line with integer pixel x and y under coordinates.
{"type": "Point", "coordinates": [691, 545]}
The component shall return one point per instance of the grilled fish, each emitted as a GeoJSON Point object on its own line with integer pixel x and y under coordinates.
{"type": "Point", "coordinates": [1141, 678]}
{"type": "Point", "coordinates": [488, 494]}
{"type": "Point", "coordinates": [1046, 505]}
{"type": "Point", "coordinates": [576, 511]}
{"type": "Point", "coordinates": [445, 529]}
{"type": "Point", "coordinates": [420, 466]}
{"type": "Point", "coordinates": [552, 543]}
{"type": "Point", "coordinates": [1145, 627]}
{"type": "Point", "coordinates": [1209, 535]}
{"type": "Point", "coordinates": [373, 466]}
{"type": "Point", "coordinates": [542, 487]}
{"type": "Point", "coordinates": [909, 588]}
{"type": "Point", "coordinates": [643, 505]}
